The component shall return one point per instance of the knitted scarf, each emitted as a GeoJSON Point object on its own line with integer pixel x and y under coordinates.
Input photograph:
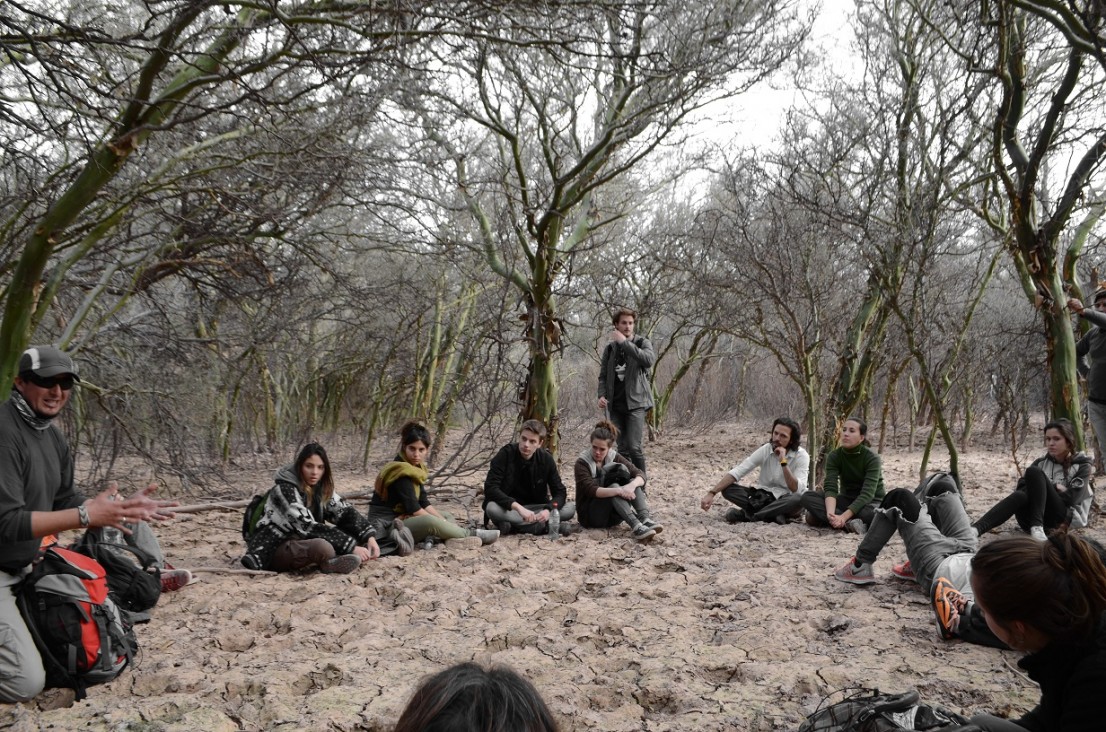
{"type": "Point", "coordinates": [393, 471]}
{"type": "Point", "coordinates": [29, 415]}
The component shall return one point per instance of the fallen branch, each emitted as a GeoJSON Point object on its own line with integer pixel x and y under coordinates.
{"type": "Point", "coordinates": [228, 570]}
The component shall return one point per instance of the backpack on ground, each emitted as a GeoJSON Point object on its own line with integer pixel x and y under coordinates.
{"type": "Point", "coordinates": [253, 514]}
{"type": "Point", "coordinates": [133, 580]}
{"type": "Point", "coordinates": [79, 631]}
{"type": "Point", "coordinates": [870, 711]}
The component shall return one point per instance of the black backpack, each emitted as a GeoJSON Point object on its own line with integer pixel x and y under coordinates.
{"type": "Point", "coordinates": [81, 635]}
{"type": "Point", "coordinates": [133, 581]}
{"type": "Point", "coordinates": [870, 711]}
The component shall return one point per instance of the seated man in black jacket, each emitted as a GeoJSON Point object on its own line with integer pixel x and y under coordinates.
{"type": "Point", "coordinates": [523, 485]}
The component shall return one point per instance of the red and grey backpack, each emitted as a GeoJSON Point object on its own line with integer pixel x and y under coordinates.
{"type": "Point", "coordinates": [79, 631]}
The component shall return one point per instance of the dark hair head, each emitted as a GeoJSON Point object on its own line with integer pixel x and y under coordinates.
{"type": "Point", "coordinates": [604, 430]}
{"type": "Point", "coordinates": [1057, 587]}
{"type": "Point", "coordinates": [796, 433]}
{"type": "Point", "coordinates": [618, 315]}
{"type": "Point", "coordinates": [468, 698]}
{"type": "Point", "coordinates": [535, 426]}
{"type": "Point", "coordinates": [411, 432]}
{"type": "Point", "coordinates": [1066, 430]}
{"type": "Point", "coordinates": [862, 423]}
{"type": "Point", "coordinates": [326, 484]}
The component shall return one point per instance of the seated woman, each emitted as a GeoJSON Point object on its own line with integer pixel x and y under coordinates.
{"type": "Point", "coordinates": [853, 486]}
{"type": "Point", "coordinates": [292, 532]}
{"type": "Point", "coordinates": [399, 493]}
{"type": "Point", "coordinates": [1048, 600]}
{"type": "Point", "coordinates": [1055, 490]}
{"type": "Point", "coordinates": [600, 505]}
{"type": "Point", "coordinates": [467, 698]}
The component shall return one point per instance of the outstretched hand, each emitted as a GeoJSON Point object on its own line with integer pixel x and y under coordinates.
{"type": "Point", "coordinates": [107, 510]}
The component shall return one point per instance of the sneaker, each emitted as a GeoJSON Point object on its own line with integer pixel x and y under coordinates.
{"type": "Point", "coordinates": [404, 539]}
{"type": "Point", "coordinates": [1038, 533]}
{"type": "Point", "coordinates": [642, 532]}
{"type": "Point", "coordinates": [780, 519]}
{"type": "Point", "coordinates": [250, 561]}
{"type": "Point", "coordinates": [657, 528]}
{"type": "Point", "coordinates": [486, 536]}
{"type": "Point", "coordinates": [903, 571]}
{"type": "Point", "coordinates": [946, 601]}
{"type": "Point", "coordinates": [343, 564]}
{"type": "Point", "coordinates": [735, 515]}
{"type": "Point", "coordinates": [855, 575]}
{"type": "Point", "coordinates": [504, 527]}
{"type": "Point", "coordinates": [568, 529]}
{"type": "Point", "coordinates": [856, 526]}
{"type": "Point", "coordinates": [174, 579]}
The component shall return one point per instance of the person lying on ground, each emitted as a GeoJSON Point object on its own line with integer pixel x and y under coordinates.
{"type": "Point", "coordinates": [782, 466]}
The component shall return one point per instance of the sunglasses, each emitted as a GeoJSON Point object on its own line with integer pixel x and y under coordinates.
{"type": "Point", "coordinates": [65, 382]}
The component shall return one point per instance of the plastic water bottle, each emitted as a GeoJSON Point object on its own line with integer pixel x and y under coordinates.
{"type": "Point", "coordinates": [428, 542]}
{"type": "Point", "coordinates": [554, 522]}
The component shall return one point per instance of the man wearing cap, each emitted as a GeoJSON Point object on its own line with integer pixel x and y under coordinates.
{"type": "Point", "coordinates": [38, 498]}
{"type": "Point", "coordinates": [1092, 347]}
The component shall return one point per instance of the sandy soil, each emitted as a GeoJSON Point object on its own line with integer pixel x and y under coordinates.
{"type": "Point", "coordinates": [709, 627]}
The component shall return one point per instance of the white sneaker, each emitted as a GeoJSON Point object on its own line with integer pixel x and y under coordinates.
{"type": "Point", "coordinates": [1038, 533]}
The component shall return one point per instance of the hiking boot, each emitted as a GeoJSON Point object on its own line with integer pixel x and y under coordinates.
{"type": "Point", "coordinates": [343, 564]}
{"type": "Point", "coordinates": [174, 579]}
{"type": "Point", "coordinates": [568, 529]}
{"type": "Point", "coordinates": [486, 536]}
{"type": "Point", "coordinates": [903, 571]}
{"type": "Point", "coordinates": [1038, 533]}
{"type": "Point", "coordinates": [856, 526]}
{"type": "Point", "coordinates": [250, 561]}
{"type": "Point", "coordinates": [734, 516]}
{"type": "Point", "coordinates": [656, 527]}
{"type": "Point", "coordinates": [404, 539]}
{"type": "Point", "coordinates": [642, 532]}
{"type": "Point", "coordinates": [855, 575]}
{"type": "Point", "coordinates": [946, 603]}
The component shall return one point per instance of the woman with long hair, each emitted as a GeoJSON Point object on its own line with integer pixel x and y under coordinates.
{"type": "Point", "coordinates": [1055, 490]}
{"type": "Point", "coordinates": [1049, 600]}
{"type": "Point", "coordinates": [399, 493]}
{"type": "Point", "coordinates": [610, 489]}
{"type": "Point", "coordinates": [303, 522]}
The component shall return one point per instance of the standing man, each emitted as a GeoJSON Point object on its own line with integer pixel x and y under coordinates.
{"type": "Point", "coordinates": [37, 498]}
{"type": "Point", "coordinates": [624, 391]}
{"type": "Point", "coordinates": [1092, 347]}
{"type": "Point", "coordinates": [783, 466]}
{"type": "Point", "coordinates": [523, 484]}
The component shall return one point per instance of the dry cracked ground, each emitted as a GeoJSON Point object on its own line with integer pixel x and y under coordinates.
{"type": "Point", "coordinates": [709, 627]}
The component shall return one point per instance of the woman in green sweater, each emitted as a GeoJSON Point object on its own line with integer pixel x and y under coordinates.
{"type": "Point", "coordinates": [853, 486]}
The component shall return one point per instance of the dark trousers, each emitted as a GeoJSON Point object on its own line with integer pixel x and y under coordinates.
{"type": "Point", "coordinates": [1035, 502]}
{"type": "Point", "coordinates": [788, 506]}
{"type": "Point", "coordinates": [815, 504]}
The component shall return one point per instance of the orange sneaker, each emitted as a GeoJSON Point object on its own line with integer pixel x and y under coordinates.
{"type": "Point", "coordinates": [946, 603]}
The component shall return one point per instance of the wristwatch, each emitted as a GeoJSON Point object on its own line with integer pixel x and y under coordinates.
{"type": "Point", "coordinates": [82, 513]}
